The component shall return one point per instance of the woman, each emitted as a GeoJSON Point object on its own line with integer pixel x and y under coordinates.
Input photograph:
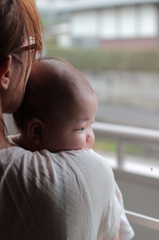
{"type": "Point", "coordinates": [43, 195]}
{"type": "Point", "coordinates": [19, 21]}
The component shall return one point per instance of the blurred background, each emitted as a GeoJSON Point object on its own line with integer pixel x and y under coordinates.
{"type": "Point", "coordinates": [115, 44]}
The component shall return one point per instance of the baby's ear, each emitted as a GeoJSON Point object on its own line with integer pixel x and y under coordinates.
{"type": "Point", "coordinates": [35, 130]}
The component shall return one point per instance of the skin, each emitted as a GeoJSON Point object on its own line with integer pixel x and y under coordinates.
{"type": "Point", "coordinates": [12, 87]}
{"type": "Point", "coordinates": [75, 133]}
{"type": "Point", "coordinates": [72, 133]}
{"type": "Point", "coordinates": [18, 77]}
{"type": "Point", "coordinates": [12, 97]}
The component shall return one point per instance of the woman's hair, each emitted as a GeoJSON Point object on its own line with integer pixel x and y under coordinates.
{"type": "Point", "coordinates": [18, 20]}
{"type": "Point", "coordinates": [51, 93]}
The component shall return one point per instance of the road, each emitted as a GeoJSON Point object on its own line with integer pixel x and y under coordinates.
{"type": "Point", "coordinates": [126, 115]}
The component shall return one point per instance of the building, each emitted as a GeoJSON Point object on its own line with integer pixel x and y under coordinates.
{"type": "Point", "coordinates": [112, 23]}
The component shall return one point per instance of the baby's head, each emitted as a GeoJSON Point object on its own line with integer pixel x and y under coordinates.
{"type": "Point", "coordinates": [58, 108]}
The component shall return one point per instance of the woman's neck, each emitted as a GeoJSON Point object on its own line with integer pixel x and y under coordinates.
{"type": "Point", "coordinates": [4, 143]}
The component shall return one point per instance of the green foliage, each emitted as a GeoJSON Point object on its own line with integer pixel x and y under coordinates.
{"type": "Point", "coordinates": [102, 59]}
{"type": "Point", "coordinates": [104, 145]}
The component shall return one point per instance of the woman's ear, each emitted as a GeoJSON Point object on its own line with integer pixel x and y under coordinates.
{"type": "Point", "coordinates": [35, 130]}
{"type": "Point", "coordinates": [5, 72]}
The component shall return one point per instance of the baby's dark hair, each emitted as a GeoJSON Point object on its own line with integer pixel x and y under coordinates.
{"type": "Point", "coordinates": [51, 93]}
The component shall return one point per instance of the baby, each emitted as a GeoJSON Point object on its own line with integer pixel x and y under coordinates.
{"type": "Point", "coordinates": [64, 119]}
{"type": "Point", "coordinates": [67, 108]}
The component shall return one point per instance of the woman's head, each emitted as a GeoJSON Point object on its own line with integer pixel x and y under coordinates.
{"type": "Point", "coordinates": [19, 19]}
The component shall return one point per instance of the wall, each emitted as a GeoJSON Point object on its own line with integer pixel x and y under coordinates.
{"type": "Point", "coordinates": [138, 89]}
{"type": "Point", "coordinates": [84, 24]}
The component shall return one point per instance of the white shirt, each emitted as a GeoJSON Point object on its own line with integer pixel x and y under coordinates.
{"type": "Point", "coordinates": [66, 195]}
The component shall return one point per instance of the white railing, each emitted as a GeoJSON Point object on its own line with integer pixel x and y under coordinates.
{"type": "Point", "coordinates": [122, 134]}
{"type": "Point", "coordinates": [151, 223]}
